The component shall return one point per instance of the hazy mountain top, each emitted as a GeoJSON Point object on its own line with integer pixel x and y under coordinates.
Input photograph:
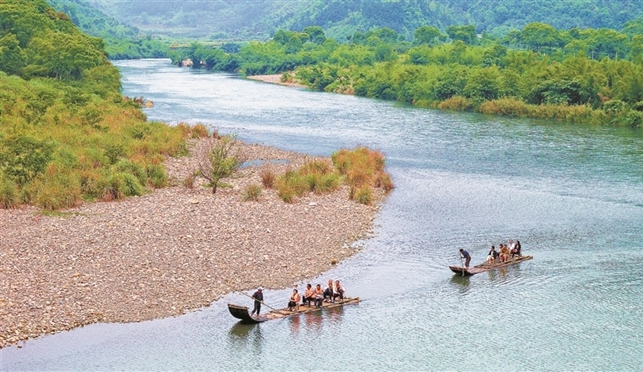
{"type": "Point", "coordinates": [222, 19]}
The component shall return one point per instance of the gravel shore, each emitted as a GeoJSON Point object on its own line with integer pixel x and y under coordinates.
{"type": "Point", "coordinates": [167, 252]}
{"type": "Point", "coordinates": [275, 79]}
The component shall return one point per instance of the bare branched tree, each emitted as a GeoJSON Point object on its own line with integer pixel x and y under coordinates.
{"type": "Point", "coordinates": [219, 159]}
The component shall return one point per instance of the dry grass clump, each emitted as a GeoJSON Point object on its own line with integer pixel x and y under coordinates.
{"type": "Point", "coordinates": [457, 103]}
{"type": "Point", "coordinates": [251, 193]}
{"type": "Point", "coordinates": [316, 176]}
{"type": "Point", "coordinates": [363, 169]}
{"type": "Point", "coordinates": [267, 178]}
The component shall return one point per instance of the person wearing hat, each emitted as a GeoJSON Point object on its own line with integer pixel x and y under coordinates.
{"type": "Point", "coordinates": [258, 296]}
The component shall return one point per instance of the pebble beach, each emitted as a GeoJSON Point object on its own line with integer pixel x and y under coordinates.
{"type": "Point", "coordinates": [170, 251]}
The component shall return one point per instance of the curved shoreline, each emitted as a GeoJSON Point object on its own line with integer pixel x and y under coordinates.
{"type": "Point", "coordinates": [167, 252]}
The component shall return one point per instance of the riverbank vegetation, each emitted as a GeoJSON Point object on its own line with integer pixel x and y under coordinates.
{"type": "Point", "coordinates": [66, 132]}
{"type": "Point", "coordinates": [361, 169]}
{"type": "Point", "coordinates": [577, 75]}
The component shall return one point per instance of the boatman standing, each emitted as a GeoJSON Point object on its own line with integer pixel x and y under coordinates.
{"type": "Point", "coordinates": [258, 296]}
{"type": "Point", "coordinates": [466, 256]}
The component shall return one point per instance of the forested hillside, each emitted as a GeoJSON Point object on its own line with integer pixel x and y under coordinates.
{"type": "Point", "coordinates": [121, 41]}
{"type": "Point", "coordinates": [259, 19]}
{"type": "Point", "coordinates": [66, 132]}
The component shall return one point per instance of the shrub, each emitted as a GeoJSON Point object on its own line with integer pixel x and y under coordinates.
{"type": "Point", "coordinates": [135, 169]}
{"type": "Point", "coordinates": [131, 185]}
{"type": "Point", "coordinates": [8, 192]}
{"type": "Point", "coordinates": [59, 189]}
{"type": "Point", "coordinates": [251, 192]}
{"type": "Point", "coordinates": [364, 195]}
{"type": "Point", "coordinates": [188, 182]}
{"type": "Point", "coordinates": [267, 178]}
{"type": "Point", "coordinates": [328, 183]}
{"type": "Point", "coordinates": [156, 175]}
{"type": "Point", "coordinates": [199, 131]}
{"type": "Point", "coordinates": [457, 103]}
{"type": "Point", "coordinates": [286, 193]}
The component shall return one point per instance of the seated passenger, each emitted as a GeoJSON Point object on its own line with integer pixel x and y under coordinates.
{"type": "Point", "coordinates": [329, 291]}
{"type": "Point", "coordinates": [293, 303]}
{"type": "Point", "coordinates": [504, 253]}
{"type": "Point", "coordinates": [319, 295]}
{"type": "Point", "coordinates": [339, 290]}
{"type": "Point", "coordinates": [309, 295]}
{"type": "Point", "coordinates": [493, 255]}
{"type": "Point", "coordinates": [516, 251]}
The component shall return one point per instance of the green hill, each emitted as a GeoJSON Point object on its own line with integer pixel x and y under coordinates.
{"type": "Point", "coordinates": [121, 40]}
{"type": "Point", "coordinates": [66, 132]}
{"type": "Point", "coordinates": [260, 19]}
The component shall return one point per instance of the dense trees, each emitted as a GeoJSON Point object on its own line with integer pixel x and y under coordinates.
{"type": "Point", "coordinates": [66, 133]}
{"type": "Point", "coordinates": [583, 75]}
{"type": "Point", "coordinates": [258, 19]}
{"type": "Point", "coordinates": [121, 41]}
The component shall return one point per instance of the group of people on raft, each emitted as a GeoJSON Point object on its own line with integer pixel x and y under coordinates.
{"type": "Point", "coordinates": [317, 296]}
{"type": "Point", "coordinates": [504, 253]}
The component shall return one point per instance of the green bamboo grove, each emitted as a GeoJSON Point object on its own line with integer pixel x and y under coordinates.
{"type": "Point", "coordinates": [577, 75]}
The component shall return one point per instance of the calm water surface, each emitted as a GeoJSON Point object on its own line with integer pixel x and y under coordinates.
{"type": "Point", "coordinates": [573, 196]}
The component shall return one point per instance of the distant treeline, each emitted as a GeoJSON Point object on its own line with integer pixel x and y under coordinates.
{"type": "Point", "coordinates": [581, 75]}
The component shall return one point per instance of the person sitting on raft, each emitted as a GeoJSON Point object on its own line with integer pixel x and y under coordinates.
{"type": "Point", "coordinates": [309, 295]}
{"type": "Point", "coordinates": [329, 291]}
{"type": "Point", "coordinates": [293, 303]}
{"type": "Point", "coordinates": [319, 295]}
{"type": "Point", "coordinates": [493, 255]}
{"type": "Point", "coordinates": [339, 291]}
{"type": "Point", "coordinates": [516, 251]}
{"type": "Point", "coordinates": [504, 253]}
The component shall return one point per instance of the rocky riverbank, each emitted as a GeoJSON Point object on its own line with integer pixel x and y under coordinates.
{"type": "Point", "coordinates": [167, 252]}
{"type": "Point", "coordinates": [276, 79]}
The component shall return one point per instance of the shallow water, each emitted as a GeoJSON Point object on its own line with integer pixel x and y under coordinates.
{"type": "Point", "coordinates": [572, 194]}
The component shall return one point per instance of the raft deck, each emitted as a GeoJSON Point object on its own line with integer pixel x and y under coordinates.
{"type": "Point", "coordinates": [485, 267]}
{"type": "Point", "coordinates": [241, 312]}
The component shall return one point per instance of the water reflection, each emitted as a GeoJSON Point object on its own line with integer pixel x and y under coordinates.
{"type": "Point", "coordinates": [246, 335]}
{"type": "Point", "coordinates": [461, 282]}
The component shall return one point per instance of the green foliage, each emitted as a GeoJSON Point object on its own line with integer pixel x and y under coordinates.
{"type": "Point", "coordinates": [66, 132]}
{"type": "Point", "coordinates": [121, 41]}
{"type": "Point", "coordinates": [220, 159]}
{"type": "Point", "coordinates": [9, 197]}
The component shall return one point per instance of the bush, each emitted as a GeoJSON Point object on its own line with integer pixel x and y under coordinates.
{"type": "Point", "coordinates": [8, 193]}
{"type": "Point", "coordinates": [363, 195]}
{"type": "Point", "coordinates": [251, 192]}
{"type": "Point", "coordinates": [156, 175]}
{"type": "Point", "coordinates": [267, 178]}
{"type": "Point", "coordinates": [456, 103]}
{"type": "Point", "coordinates": [199, 131]}
{"type": "Point", "coordinates": [59, 189]}
{"type": "Point", "coordinates": [286, 193]}
{"type": "Point", "coordinates": [188, 182]}
{"type": "Point", "coordinates": [135, 169]}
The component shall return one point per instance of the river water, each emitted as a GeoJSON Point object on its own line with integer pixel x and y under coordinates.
{"type": "Point", "coordinates": [572, 194]}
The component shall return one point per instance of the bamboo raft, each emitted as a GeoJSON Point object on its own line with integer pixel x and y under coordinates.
{"type": "Point", "coordinates": [241, 312]}
{"type": "Point", "coordinates": [486, 267]}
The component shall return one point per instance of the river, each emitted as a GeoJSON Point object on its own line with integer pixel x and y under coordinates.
{"type": "Point", "coordinates": [572, 195]}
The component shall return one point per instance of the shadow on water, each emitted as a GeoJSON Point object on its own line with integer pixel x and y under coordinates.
{"type": "Point", "coordinates": [243, 332]}
{"type": "Point", "coordinates": [461, 282]}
